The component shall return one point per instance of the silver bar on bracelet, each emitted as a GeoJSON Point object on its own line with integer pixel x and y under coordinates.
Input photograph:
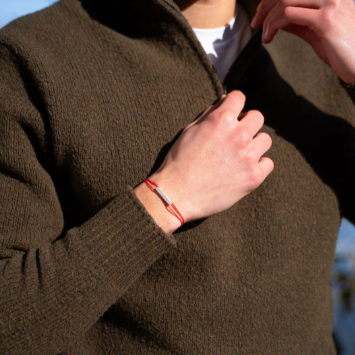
{"type": "Point", "coordinates": [163, 196]}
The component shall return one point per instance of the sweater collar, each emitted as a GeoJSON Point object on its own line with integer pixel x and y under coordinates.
{"type": "Point", "coordinates": [249, 6]}
{"type": "Point", "coordinates": [156, 27]}
{"type": "Point", "coordinates": [241, 63]}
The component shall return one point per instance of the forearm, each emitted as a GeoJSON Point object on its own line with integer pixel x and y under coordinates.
{"type": "Point", "coordinates": [51, 294]}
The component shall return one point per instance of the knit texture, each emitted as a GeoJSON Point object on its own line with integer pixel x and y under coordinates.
{"type": "Point", "coordinates": [92, 96]}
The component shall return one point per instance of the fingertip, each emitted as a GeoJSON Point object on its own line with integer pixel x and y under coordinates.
{"type": "Point", "coordinates": [240, 94]}
{"type": "Point", "coordinates": [235, 100]}
{"type": "Point", "coordinates": [267, 165]}
{"type": "Point", "coordinates": [272, 165]}
{"type": "Point", "coordinates": [252, 23]}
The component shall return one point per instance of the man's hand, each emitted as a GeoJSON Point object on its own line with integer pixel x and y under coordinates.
{"type": "Point", "coordinates": [215, 162]}
{"type": "Point", "coordinates": [327, 25]}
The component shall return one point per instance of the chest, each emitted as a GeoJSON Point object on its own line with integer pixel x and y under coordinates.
{"type": "Point", "coordinates": [121, 117]}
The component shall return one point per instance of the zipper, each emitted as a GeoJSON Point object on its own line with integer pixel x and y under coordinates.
{"type": "Point", "coordinates": [239, 66]}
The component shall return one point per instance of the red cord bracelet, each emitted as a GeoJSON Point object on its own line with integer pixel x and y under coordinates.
{"type": "Point", "coordinates": [168, 204]}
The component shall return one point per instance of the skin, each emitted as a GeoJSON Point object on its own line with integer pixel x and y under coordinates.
{"type": "Point", "coordinates": [207, 13]}
{"type": "Point", "coordinates": [327, 25]}
{"type": "Point", "coordinates": [192, 167]}
{"type": "Point", "coordinates": [190, 170]}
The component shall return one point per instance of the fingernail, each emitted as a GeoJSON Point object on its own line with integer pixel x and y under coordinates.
{"type": "Point", "coordinates": [252, 22]}
{"type": "Point", "coordinates": [265, 34]}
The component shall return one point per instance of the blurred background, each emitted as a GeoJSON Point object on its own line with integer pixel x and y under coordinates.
{"type": "Point", "coordinates": [343, 276]}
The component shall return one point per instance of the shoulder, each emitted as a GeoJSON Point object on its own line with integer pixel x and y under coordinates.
{"type": "Point", "coordinates": [62, 24]}
{"type": "Point", "coordinates": [34, 49]}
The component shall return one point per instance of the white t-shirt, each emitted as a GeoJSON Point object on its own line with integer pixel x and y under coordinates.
{"type": "Point", "coordinates": [223, 44]}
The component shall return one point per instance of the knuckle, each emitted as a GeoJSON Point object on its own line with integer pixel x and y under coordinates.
{"type": "Point", "coordinates": [222, 118]}
{"type": "Point", "coordinates": [327, 16]}
{"type": "Point", "coordinates": [243, 138]}
{"type": "Point", "coordinates": [287, 13]}
{"type": "Point", "coordinates": [334, 3]}
{"type": "Point", "coordinates": [227, 116]}
{"type": "Point", "coordinates": [256, 177]}
{"type": "Point", "coordinates": [250, 155]}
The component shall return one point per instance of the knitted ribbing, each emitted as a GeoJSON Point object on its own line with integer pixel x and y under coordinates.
{"type": "Point", "coordinates": [92, 96]}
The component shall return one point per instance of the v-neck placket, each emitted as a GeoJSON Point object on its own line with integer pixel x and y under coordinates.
{"type": "Point", "coordinates": [239, 65]}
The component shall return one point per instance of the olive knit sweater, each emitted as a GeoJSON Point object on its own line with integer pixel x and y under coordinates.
{"type": "Point", "coordinates": [92, 95]}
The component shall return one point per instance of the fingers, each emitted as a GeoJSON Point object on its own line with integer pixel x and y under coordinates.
{"type": "Point", "coordinates": [234, 101]}
{"type": "Point", "coordinates": [267, 6]}
{"type": "Point", "coordinates": [260, 145]}
{"type": "Point", "coordinates": [225, 116]}
{"type": "Point", "coordinates": [279, 18]}
{"type": "Point", "coordinates": [250, 123]}
{"type": "Point", "coordinates": [263, 9]}
{"type": "Point", "coordinates": [266, 166]}
{"type": "Point", "coordinates": [227, 113]}
{"type": "Point", "coordinates": [280, 14]}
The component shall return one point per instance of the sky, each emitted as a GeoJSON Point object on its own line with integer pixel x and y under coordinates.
{"type": "Point", "coordinates": [11, 9]}
{"type": "Point", "coordinates": [346, 239]}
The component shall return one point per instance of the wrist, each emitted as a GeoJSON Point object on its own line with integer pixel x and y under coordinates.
{"type": "Point", "coordinates": [172, 187]}
{"type": "Point", "coordinates": [156, 208]}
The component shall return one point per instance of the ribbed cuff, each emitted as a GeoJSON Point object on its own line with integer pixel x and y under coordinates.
{"type": "Point", "coordinates": [112, 250]}
{"type": "Point", "coordinates": [125, 240]}
{"type": "Point", "coordinates": [69, 284]}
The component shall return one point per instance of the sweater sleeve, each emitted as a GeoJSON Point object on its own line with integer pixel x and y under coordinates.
{"type": "Point", "coordinates": [351, 93]}
{"type": "Point", "coordinates": [55, 283]}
